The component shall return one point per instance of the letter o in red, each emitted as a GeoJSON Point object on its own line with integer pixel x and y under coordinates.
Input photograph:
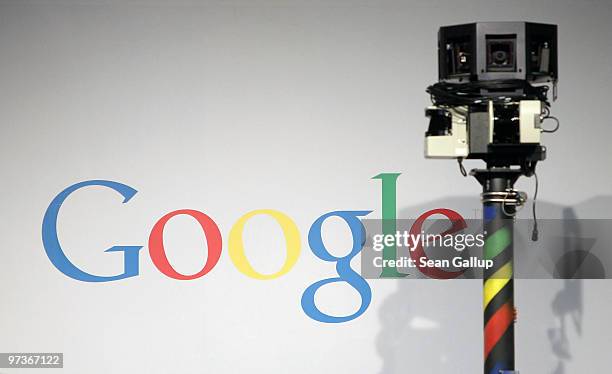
{"type": "Point", "coordinates": [158, 253]}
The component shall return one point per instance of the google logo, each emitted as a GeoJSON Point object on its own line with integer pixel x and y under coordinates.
{"type": "Point", "coordinates": [236, 248]}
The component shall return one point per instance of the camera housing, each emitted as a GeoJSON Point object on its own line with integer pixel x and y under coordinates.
{"type": "Point", "coordinates": [491, 97]}
{"type": "Point", "coordinates": [498, 50]}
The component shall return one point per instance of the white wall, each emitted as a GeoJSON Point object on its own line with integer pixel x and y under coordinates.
{"type": "Point", "coordinates": [231, 106]}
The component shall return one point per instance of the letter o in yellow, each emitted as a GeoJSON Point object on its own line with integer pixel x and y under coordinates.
{"type": "Point", "coordinates": [236, 244]}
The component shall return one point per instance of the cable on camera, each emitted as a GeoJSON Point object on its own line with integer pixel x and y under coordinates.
{"type": "Point", "coordinates": [535, 233]}
{"type": "Point", "coordinates": [461, 167]}
{"type": "Point", "coordinates": [470, 93]}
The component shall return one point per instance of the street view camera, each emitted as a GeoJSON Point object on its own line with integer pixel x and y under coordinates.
{"type": "Point", "coordinates": [490, 104]}
{"type": "Point", "coordinates": [492, 94]}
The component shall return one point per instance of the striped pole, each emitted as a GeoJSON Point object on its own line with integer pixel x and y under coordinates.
{"type": "Point", "coordinates": [498, 289]}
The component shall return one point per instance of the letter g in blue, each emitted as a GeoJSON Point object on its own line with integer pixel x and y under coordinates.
{"type": "Point", "coordinates": [343, 267]}
{"type": "Point", "coordinates": [55, 252]}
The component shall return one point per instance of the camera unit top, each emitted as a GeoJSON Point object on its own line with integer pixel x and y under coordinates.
{"type": "Point", "coordinates": [484, 51]}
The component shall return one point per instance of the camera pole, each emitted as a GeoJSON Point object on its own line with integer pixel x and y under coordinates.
{"type": "Point", "coordinates": [499, 207]}
{"type": "Point", "coordinates": [489, 104]}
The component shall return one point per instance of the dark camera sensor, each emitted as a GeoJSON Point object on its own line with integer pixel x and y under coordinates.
{"type": "Point", "coordinates": [501, 53]}
{"type": "Point", "coordinates": [458, 56]}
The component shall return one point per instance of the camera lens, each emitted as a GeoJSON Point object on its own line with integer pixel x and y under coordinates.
{"type": "Point", "coordinates": [501, 52]}
{"type": "Point", "coordinates": [500, 58]}
{"type": "Point", "coordinates": [458, 57]}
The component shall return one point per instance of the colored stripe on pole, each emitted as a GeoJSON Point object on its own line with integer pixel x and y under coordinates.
{"type": "Point", "coordinates": [497, 242]}
{"type": "Point", "coordinates": [497, 326]}
{"type": "Point", "coordinates": [496, 282]}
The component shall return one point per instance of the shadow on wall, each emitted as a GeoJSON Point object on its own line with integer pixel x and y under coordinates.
{"type": "Point", "coordinates": [436, 326]}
